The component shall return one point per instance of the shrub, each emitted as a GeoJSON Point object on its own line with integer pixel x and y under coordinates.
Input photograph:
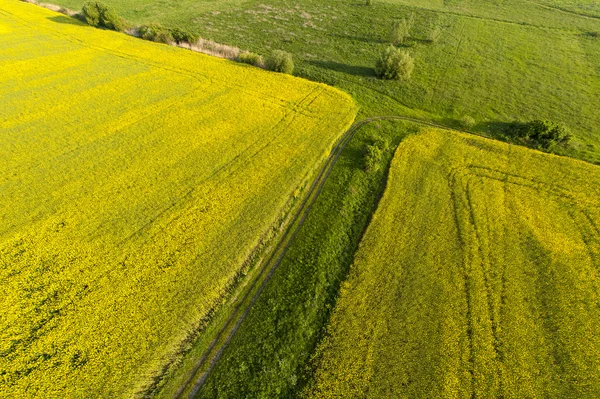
{"type": "Point", "coordinates": [280, 61]}
{"type": "Point", "coordinates": [156, 33]}
{"type": "Point", "coordinates": [434, 33]}
{"type": "Point", "coordinates": [91, 13]}
{"type": "Point", "coordinates": [100, 15]}
{"type": "Point", "coordinates": [467, 122]}
{"type": "Point", "coordinates": [374, 153]}
{"type": "Point", "coordinates": [369, 3]}
{"type": "Point", "coordinates": [394, 64]}
{"type": "Point", "coordinates": [180, 35]}
{"type": "Point", "coordinates": [373, 156]}
{"type": "Point", "coordinates": [251, 58]}
{"type": "Point", "coordinates": [399, 32]}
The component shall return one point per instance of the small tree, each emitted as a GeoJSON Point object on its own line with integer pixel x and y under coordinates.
{"type": "Point", "coordinates": [91, 13]}
{"type": "Point", "coordinates": [372, 158]}
{"type": "Point", "coordinates": [394, 64]}
{"type": "Point", "coordinates": [100, 15]}
{"type": "Point", "coordinates": [156, 33]}
{"type": "Point", "coordinates": [401, 29]}
{"type": "Point", "coordinates": [467, 122]}
{"type": "Point", "coordinates": [251, 58]}
{"type": "Point", "coordinates": [547, 134]}
{"type": "Point", "coordinates": [541, 134]}
{"type": "Point", "coordinates": [399, 32]}
{"type": "Point", "coordinates": [434, 33]}
{"type": "Point", "coordinates": [180, 35]}
{"type": "Point", "coordinates": [280, 61]}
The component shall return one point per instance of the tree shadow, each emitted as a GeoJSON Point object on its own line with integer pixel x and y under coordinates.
{"type": "Point", "coordinates": [592, 34]}
{"type": "Point", "coordinates": [345, 68]}
{"type": "Point", "coordinates": [63, 19]}
{"type": "Point", "coordinates": [506, 131]}
{"type": "Point", "coordinates": [418, 40]}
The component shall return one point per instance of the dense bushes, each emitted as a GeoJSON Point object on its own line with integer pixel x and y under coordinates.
{"type": "Point", "coordinates": [156, 33]}
{"type": "Point", "coordinates": [251, 58]}
{"type": "Point", "coordinates": [100, 15]}
{"type": "Point", "coordinates": [161, 34]}
{"type": "Point", "coordinates": [540, 134]}
{"type": "Point", "coordinates": [184, 36]}
{"type": "Point", "coordinates": [374, 153]}
{"type": "Point", "coordinates": [394, 64]}
{"type": "Point", "coordinates": [280, 61]}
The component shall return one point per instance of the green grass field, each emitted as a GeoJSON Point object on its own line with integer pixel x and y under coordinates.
{"type": "Point", "coordinates": [494, 62]}
{"type": "Point", "coordinates": [136, 180]}
{"type": "Point", "coordinates": [477, 277]}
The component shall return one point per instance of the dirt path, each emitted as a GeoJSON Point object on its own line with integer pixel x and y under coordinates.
{"type": "Point", "coordinates": [213, 353]}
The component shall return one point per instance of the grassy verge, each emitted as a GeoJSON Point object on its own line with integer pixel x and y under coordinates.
{"type": "Point", "coordinates": [268, 355]}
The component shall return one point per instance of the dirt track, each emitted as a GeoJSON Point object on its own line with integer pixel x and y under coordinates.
{"type": "Point", "coordinates": [213, 353]}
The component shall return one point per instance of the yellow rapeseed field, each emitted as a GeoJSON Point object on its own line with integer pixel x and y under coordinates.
{"type": "Point", "coordinates": [135, 179]}
{"type": "Point", "coordinates": [477, 278]}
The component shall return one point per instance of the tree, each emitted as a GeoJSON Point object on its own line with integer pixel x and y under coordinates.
{"type": "Point", "coordinates": [394, 64]}
{"type": "Point", "coordinates": [434, 33]}
{"type": "Point", "coordinates": [100, 15]}
{"type": "Point", "coordinates": [400, 31]}
{"type": "Point", "coordinates": [541, 134]}
{"type": "Point", "coordinates": [280, 61]}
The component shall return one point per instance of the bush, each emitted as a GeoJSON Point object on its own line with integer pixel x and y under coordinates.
{"type": "Point", "coordinates": [280, 61]}
{"type": "Point", "coordinates": [541, 134]}
{"type": "Point", "coordinates": [399, 32]}
{"type": "Point", "coordinates": [100, 15]}
{"type": "Point", "coordinates": [374, 153]}
{"type": "Point", "coordinates": [180, 36]}
{"type": "Point", "coordinates": [369, 2]}
{"type": "Point", "coordinates": [156, 33]}
{"type": "Point", "coordinates": [251, 58]}
{"type": "Point", "coordinates": [373, 156]}
{"type": "Point", "coordinates": [467, 122]}
{"type": "Point", "coordinates": [434, 33]}
{"type": "Point", "coordinates": [394, 64]}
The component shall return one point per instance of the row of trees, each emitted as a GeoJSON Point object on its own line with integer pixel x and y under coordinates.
{"type": "Point", "coordinates": [99, 15]}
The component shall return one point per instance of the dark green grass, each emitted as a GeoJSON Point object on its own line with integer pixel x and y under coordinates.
{"type": "Point", "coordinates": [268, 355]}
{"type": "Point", "coordinates": [495, 62]}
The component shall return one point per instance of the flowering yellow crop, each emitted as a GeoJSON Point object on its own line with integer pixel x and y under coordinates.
{"type": "Point", "coordinates": [135, 179]}
{"type": "Point", "coordinates": [478, 277]}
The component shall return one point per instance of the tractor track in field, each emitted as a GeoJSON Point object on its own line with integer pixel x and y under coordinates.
{"type": "Point", "coordinates": [213, 353]}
